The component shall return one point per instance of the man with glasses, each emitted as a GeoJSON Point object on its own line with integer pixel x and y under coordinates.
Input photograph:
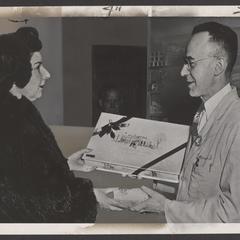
{"type": "Point", "coordinates": [209, 188]}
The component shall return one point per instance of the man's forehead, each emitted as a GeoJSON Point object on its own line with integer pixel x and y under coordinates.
{"type": "Point", "coordinates": [112, 93]}
{"type": "Point", "coordinates": [200, 45]}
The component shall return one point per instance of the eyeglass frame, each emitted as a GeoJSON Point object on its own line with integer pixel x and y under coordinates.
{"type": "Point", "coordinates": [187, 62]}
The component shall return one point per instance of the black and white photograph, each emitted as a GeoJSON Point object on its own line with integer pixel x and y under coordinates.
{"type": "Point", "coordinates": [114, 119]}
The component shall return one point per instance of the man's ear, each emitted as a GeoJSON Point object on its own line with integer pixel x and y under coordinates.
{"type": "Point", "coordinates": [220, 66]}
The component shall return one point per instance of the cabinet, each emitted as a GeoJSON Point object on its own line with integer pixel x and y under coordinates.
{"type": "Point", "coordinates": [157, 72]}
{"type": "Point", "coordinates": [168, 96]}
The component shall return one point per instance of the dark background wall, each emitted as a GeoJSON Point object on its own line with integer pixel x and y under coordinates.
{"type": "Point", "coordinates": [170, 36]}
{"type": "Point", "coordinates": [123, 68]}
{"type": "Point", "coordinates": [51, 104]}
{"type": "Point", "coordinates": [79, 35]}
{"type": "Point", "coordinates": [67, 54]}
{"type": "Point", "coordinates": [50, 31]}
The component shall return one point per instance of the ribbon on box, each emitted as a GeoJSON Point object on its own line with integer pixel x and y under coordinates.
{"type": "Point", "coordinates": [111, 127]}
{"type": "Point", "coordinates": [159, 159]}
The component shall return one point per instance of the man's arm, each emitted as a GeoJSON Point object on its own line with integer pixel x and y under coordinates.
{"type": "Point", "coordinates": [223, 207]}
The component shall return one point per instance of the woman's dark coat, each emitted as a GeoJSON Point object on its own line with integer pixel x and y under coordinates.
{"type": "Point", "coordinates": [36, 184]}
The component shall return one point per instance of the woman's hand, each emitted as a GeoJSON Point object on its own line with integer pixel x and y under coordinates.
{"type": "Point", "coordinates": [105, 201]}
{"type": "Point", "coordinates": [155, 203]}
{"type": "Point", "coordinates": [76, 161]}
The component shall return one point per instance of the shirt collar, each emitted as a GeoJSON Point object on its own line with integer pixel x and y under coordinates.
{"type": "Point", "coordinates": [212, 102]}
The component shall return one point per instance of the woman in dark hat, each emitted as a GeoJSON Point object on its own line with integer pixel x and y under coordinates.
{"type": "Point", "coordinates": [36, 184]}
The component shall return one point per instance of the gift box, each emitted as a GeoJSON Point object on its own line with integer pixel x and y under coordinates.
{"type": "Point", "coordinates": [137, 147]}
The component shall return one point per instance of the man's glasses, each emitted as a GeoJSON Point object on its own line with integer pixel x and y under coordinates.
{"type": "Point", "coordinates": [190, 63]}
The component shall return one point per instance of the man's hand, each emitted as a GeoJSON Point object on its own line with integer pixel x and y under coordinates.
{"type": "Point", "coordinates": [76, 162]}
{"type": "Point", "coordinates": [105, 201]}
{"type": "Point", "coordinates": [156, 202]}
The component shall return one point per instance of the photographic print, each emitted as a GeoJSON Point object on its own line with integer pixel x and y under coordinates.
{"type": "Point", "coordinates": [60, 72]}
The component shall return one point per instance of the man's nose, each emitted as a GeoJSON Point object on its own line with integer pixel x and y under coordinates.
{"type": "Point", "coordinates": [184, 72]}
{"type": "Point", "coordinates": [45, 74]}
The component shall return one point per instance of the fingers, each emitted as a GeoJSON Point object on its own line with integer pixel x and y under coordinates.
{"type": "Point", "coordinates": [112, 205]}
{"type": "Point", "coordinates": [115, 203]}
{"type": "Point", "coordinates": [84, 151]}
{"type": "Point", "coordinates": [74, 164]}
{"type": "Point", "coordinates": [86, 168]}
{"type": "Point", "coordinates": [78, 155]}
{"type": "Point", "coordinates": [148, 206]}
{"type": "Point", "coordinates": [79, 165]}
{"type": "Point", "coordinates": [115, 208]}
{"type": "Point", "coordinates": [139, 207]}
{"type": "Point", "coordinates": [151, 192]}
{"type": "Point", "coordinates": [108, 190]}
{"type": "Point", "coordinates": [105, 201]}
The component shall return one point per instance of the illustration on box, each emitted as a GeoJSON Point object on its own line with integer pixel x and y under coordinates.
{"type": "Point", "coordinates": [135, 146]}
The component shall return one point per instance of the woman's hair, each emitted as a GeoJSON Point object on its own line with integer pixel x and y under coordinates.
{"type": "Point", "coordinates": [15, 54]}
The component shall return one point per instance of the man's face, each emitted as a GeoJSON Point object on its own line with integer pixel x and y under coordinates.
{"type": "Point", "coordinates": [200, 53]}
{"type": "Point", "coordinates": [112, 102]}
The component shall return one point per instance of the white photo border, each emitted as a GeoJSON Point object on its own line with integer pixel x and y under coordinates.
{"type": "Point", "coordinates": [21, 13]}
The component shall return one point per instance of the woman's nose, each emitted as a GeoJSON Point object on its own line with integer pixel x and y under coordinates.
{"type": "Point", "coordinates": [45, 74]}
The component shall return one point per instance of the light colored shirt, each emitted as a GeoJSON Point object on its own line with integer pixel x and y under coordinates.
{"type": "Point", "coordinates": [211, 104]}
{"type": "Point", "coordinates": [209, 181]}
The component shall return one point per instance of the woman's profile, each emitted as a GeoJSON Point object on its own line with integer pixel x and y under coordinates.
{"type": "Point", "coordinates": [36, 184]}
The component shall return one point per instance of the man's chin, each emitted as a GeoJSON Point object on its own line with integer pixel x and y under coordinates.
{"type": "Point", "coordinates": [193, 93]}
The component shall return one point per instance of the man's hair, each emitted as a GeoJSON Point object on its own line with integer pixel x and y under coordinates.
{"type": "Point", "coordinates": [224, 36]}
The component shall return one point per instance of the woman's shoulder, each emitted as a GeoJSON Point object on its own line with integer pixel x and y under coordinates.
{"type": "Point", "coordinates": [13, 106]}
{"type": "Point", "coordinates": [19, 115]}
{"type": "Point", "coordinates": [10, 112]}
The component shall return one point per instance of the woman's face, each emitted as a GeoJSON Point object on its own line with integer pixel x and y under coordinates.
{"type": "Point", "coordinates": [33, 90]}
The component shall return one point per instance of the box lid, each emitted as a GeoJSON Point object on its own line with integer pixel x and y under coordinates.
{"type": "Point", "coordinates": [135, 146]}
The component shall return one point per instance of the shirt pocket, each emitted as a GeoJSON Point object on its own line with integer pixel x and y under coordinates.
{"type": "Point", "coordinates": [200, 179]}
{"type": "Point", "coordinates": [203, 165]}
{"type": "Point", "coordinates": [205, 156]}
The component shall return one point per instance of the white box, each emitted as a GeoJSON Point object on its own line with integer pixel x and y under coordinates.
{"type": "Point", "coordinates": [127, 146]}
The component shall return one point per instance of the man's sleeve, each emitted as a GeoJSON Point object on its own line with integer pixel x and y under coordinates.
{"type": "Point", "coordinates": [225, 206]}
